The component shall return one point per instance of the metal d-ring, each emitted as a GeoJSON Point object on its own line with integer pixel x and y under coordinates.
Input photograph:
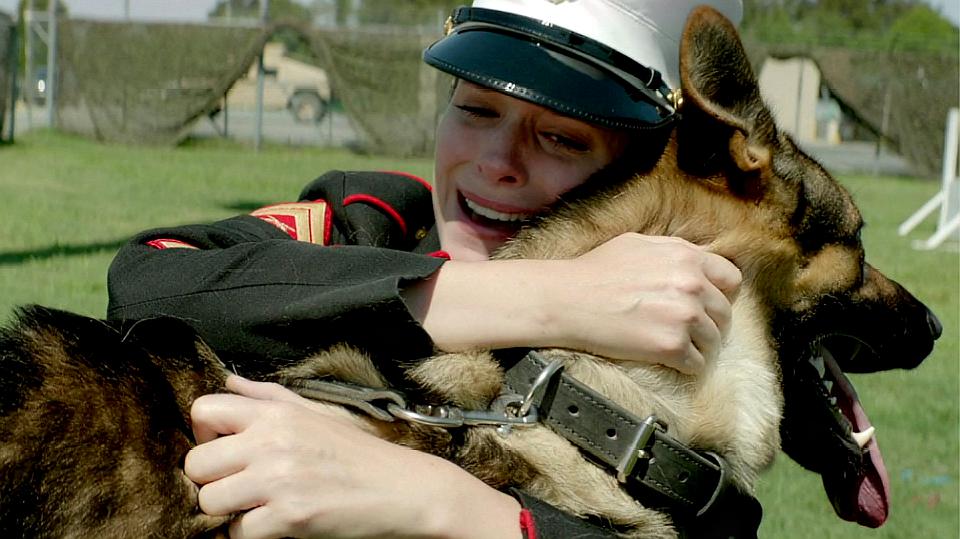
{"type": "Point", "coordinates": [539, 383]}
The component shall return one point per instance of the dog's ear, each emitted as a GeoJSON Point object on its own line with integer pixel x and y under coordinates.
{"type": "Point", "coordinates": [721, 99]}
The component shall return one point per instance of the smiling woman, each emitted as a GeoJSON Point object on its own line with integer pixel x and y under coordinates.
{"type": "Point", "coordinates": [501, 161]}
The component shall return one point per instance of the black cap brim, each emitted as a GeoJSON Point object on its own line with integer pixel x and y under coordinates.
{"type": "Point", "coordinates": [532, 70]}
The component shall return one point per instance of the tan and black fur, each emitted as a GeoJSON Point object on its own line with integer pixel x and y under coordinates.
{"type": "Point", "coordinates": [94, 424]}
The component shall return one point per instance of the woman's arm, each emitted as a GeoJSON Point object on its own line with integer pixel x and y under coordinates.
{"type": "Point", "coordinates": [296, 468]}
{"type": "Point", "coordinates": [263, 300]}
{"type": "Point", "coordinates": [641, 298]}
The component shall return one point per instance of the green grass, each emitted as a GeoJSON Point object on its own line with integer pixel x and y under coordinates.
{"type": "Point", "coordinates": [67, 203]}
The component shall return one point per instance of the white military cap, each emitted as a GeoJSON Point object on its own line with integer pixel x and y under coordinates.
{"type": "Point", "coordinates": [609, 62]}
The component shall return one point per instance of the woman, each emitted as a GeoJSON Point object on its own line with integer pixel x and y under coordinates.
{"type": "Point", "coordinates": [535, 113]}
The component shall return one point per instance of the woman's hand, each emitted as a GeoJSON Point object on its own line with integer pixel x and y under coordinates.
{"type": "Point", "coordinates": [635, 298]}
{"type": "Point", "coordinates": [656, 299]}
{"type": "Point", "coordinates": [297, 468]}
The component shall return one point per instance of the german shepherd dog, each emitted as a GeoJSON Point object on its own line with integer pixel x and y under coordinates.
{"type": "Point", "coordinates": [94, 423]}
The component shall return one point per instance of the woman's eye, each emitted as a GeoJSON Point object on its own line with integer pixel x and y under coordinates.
{"type": "Point", "coordinates": [566, 143]}
{"type": "Point", "coordinates": [477, 112]}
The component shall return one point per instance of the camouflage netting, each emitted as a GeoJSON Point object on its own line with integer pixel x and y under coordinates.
{"type": "Point", "coordinates": [918, 89]}
{"type": "Point", "coordinates": [391, 96]}
{"type": "Point", "coordinates": [8, 51]}
{"type": "Point", "coordinates": [147, 83]}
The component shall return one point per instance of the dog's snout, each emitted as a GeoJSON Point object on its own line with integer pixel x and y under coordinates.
{"type": "Point", "coordinates": [936, 328]}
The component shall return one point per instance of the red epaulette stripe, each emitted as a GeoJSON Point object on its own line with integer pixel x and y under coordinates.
{"type": "Point", "coordinates": [413, 177]}
{"type": "Point", "coordinates": [440, 254]}
{"type": "Point", "coordinates": [170, 243]}
{"type": "Point", "coordinates": [379, 203]}
{"type": "Point", "coordinates": [527, 526]}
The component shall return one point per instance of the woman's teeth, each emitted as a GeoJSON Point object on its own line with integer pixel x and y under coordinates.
{"type": "Point", "coordinates": [495, 215]}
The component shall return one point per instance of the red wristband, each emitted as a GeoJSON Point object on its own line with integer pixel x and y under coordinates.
{"type": "Point", "coordinates": [527, 526]}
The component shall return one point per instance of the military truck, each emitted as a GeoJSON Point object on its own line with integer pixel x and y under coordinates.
{"type": "Point", "coordinates": [289, 84]}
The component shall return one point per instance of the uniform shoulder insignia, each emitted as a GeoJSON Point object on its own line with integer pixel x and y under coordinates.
{"type": "Point", "coordinates": [169, 243]}
{"type": "Point", "coordinates": [302, 221]}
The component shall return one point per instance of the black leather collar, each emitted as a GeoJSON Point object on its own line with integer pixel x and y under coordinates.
{"type": "Point", "coordinates": [694, 487]}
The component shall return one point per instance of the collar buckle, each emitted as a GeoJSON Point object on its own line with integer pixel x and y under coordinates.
{"type": "Point", "coordinates": [639, 448]}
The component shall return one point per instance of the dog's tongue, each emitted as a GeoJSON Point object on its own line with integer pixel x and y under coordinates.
{"type": "Point", "coordinates": [864, 499]}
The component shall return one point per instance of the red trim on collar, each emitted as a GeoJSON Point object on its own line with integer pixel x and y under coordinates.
{"type": "Point", "coordinates": [527, 525]}
{"type": "Point", "coordinates": [413, 177]}
{"type": "Point", "coordinates": [440, 254]}
{"type": "Point", "coordinates": [381, 204]}
{"type": "Point", "coordinates": [327, 221]}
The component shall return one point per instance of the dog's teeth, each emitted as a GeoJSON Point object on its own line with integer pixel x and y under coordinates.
{"type": "Point", "coordinates": [817, 363]}
{"type": "Point", "coordinates": [832, 401]}
{"type": "Point", "coordinates": [829, 385]}
{"type": "Point", "coordinates": [863, 438]}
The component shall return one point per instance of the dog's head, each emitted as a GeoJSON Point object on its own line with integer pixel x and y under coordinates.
{"type": "Point", "coordinates": [729, 178]}
{"type": "Point", "coordinates": [795, 232]}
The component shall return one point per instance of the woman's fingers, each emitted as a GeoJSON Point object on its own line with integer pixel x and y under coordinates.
{"type": "Point", "coordinates": [230, 494]}
{"type": "Point", "coordinates": [218, 414]}
{"type": "Point", "coordinates": [723, 274]}
{"type": "Point", "coordinates": [718, 308]}
{"type": "Point", "coordinates": [261, 390]}
{"type": "Point", "coordinates": [215, 460]}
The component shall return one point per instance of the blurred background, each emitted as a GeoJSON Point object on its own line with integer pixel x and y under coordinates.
{"type": "Point", "coordinates": [863, 84]}
{"type": "Point", "coordinates": [121, 115]}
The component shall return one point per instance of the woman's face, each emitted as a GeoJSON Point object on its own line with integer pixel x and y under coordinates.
{"type": "Point", "coordinates": [500, 160]}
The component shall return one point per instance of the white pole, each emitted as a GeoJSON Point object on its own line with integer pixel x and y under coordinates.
{"type": "Point", "coordinates": [951, 147]}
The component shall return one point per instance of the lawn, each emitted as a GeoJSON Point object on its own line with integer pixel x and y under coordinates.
{"type": "Point", "coordinates": [66, 204]}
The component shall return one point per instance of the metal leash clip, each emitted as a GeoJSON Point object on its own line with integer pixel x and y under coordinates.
{"type": "Point", "coordinates": [503, 412]}
{"type": "Point", "coordinates": [508, 411]}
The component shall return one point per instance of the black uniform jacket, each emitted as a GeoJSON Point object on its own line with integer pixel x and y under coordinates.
{"type": "Point", "coordinates": [270, 288]}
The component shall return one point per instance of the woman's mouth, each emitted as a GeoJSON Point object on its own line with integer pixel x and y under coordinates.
{"type": "Point", "coordinates": [500, 222]}
{"type": "Point", "coordinates": [495, 215]}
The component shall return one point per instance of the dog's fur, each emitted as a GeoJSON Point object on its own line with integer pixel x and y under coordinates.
{"type": "Point", "coordinates": [94, 424]}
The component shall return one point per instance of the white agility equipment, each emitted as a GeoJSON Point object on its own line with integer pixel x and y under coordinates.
{"type": "Point", "coordinates": [948, 199]}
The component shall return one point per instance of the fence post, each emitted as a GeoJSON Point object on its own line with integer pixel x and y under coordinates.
{"type": "Point", "coordinates": [52, 64]}
{"type": "Point", "coordinates": [14, 66]}
{"type": "Point", "coordinates": [258, 128]}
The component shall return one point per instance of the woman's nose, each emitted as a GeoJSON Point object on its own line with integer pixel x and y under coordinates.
{"type": "Point", "coordinates": [501, 159]}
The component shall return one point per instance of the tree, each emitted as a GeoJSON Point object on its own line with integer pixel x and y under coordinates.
{"type": "Point", "coordinates": [857, 24]}
{"type": "Point", "coordinates": [42, 5]}
{"type": "Point", "coordinates": [921, 29]}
